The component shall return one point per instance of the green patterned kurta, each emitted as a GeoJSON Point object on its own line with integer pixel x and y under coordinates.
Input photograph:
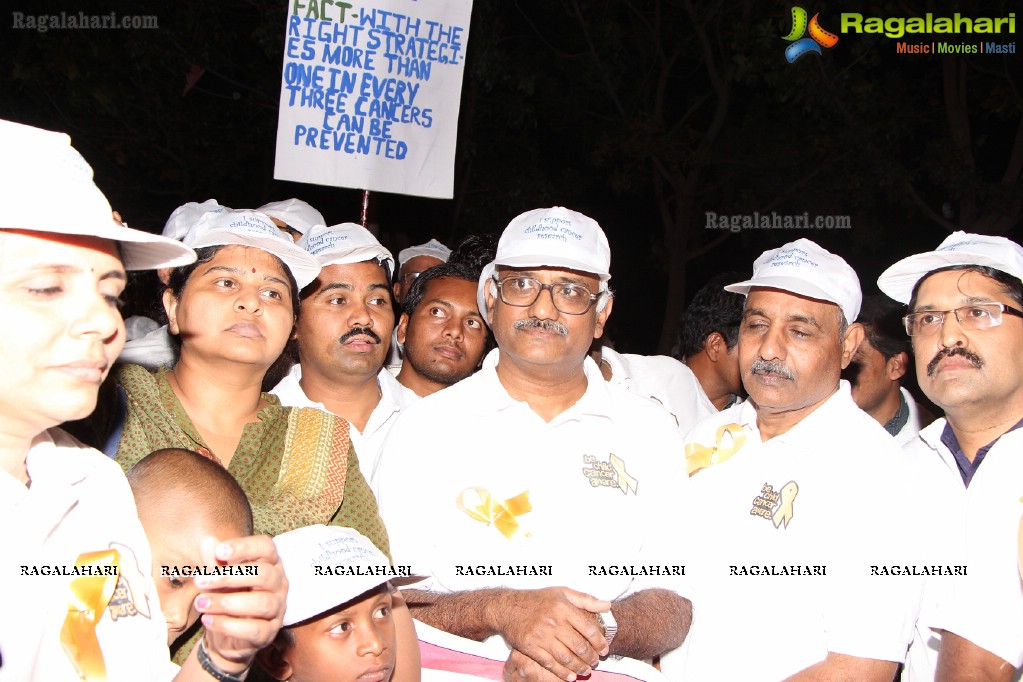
{"type": "Point", "coordinates": [317, 481]}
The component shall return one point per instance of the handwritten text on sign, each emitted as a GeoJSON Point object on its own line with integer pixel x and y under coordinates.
{"type": "Point", "coordinates": [370, 94]}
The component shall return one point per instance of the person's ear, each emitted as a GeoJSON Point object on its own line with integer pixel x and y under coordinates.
{"type": "Point", "coordinates": [274, 660]}
{"type": "Point", "coordinates": [897, 366]}
{"type": "Point", "coordinates": [715, 346]}
{"type": "Point", "coordinates": [170, 306]}
{"type": "Point", "coordinates": [602, 317]}
{"type": "Point", "coordinates": [851, 342]}
{"type": "Point", "coordinates": [402, 329]}
{"type": "Point", "coordinates": [490, 298]}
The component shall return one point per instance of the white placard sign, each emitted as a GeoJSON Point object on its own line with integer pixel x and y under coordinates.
{"type": "Point", "coordinates": [370, 94]}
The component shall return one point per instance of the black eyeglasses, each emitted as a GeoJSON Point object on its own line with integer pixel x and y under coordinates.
{"type": "Point", "coordinates": [568, 297]}
{"type": "Point", "coordinates": [978, 316]}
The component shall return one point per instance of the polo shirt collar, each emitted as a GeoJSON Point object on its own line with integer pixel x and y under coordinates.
{"type": "Point", "coordinates": [595, 401]}
{"type": "Point", "coordinates": [815, 427]}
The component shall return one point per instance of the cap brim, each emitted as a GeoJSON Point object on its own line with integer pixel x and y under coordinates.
{"type": "Point", "coordinates": [789, 284]}
{"type": "Point", "coordinates": [357, 255]}
{"type": "Point", "coordinates": [304, 267]}
{"type": "Point", "coordinates": [139, 250]}
{"type": "Point", "coordinates": [340, 590]}
{"type": "Point", "coordinates": [898, 281]}
{"type": "Point", "coordinates": [565, 263]}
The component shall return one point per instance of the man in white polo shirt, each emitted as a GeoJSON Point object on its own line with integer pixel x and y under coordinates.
{"type": "Point", "coordinates": [966, 324]}
{"type": "Point", "coordinates": [548, 493]}
{"type": "Point", "coordinates": [794, 495]}
{"type": "Point", "coordinates": [343, 333]}
{"type": "Point", "coordinates": [663, 379]}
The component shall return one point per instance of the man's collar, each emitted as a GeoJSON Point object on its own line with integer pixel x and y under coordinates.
{"type": "Point", "coordinates": [813, 426]}
{"type": "Point", "coordinates": [596, 400]}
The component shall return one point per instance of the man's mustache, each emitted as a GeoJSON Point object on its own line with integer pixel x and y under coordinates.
{"type": "Point", "coordinates": [932, 366]}
{"type": "Point", "coordinates": [546, 325]}
{"type": "Point", "coordinates": [359, 331]}
{"type": "Point", "coordinates": [772, 367]}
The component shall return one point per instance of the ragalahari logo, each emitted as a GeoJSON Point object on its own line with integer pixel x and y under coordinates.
{"type": "Point", "coordinates": [818, 36]}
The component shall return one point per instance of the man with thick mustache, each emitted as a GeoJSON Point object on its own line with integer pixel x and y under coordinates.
{"type": "Point", "coordinates": [801, 486]}
{"type": "Point", "coordinates": [343, 332]}
{"type": "Point", "coordinates": [545, 475]}
{"type": "Point", "coordinates": [965, 307]}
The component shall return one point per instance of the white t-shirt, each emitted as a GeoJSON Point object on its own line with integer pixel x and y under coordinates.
{"type": "Point", "coordinates": [783, 535]}
{"type": "Point", "coordinates": [393, 399]}
{"type": "Point", "coordinates": [78, 502]}
{"type": "Point", "coordinates": [663, 379]}
{"type": "Point", "coordinates": [602, 480]}
{"type": "Point", "coordinates": [911, 428]}
{"type": "Point", "coordinates": [974, 527]}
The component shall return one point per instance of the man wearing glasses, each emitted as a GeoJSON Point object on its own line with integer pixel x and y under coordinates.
{"type": "Point", "coordinates": [965, 303]}
{"type": "Point", "coordinates": [544, 514]}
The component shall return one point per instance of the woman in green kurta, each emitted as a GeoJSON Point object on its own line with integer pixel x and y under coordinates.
{"type": "Point", "coordinates": [232, 313]}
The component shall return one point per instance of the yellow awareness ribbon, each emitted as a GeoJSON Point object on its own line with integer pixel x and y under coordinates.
{"type": "Point", "coordinates": [784, 512]}
{"type": "Point", "coordinates": [625, 481]}
{"type": "Point", "coordinates": [90, 595]}
{"type": "Point", "coordinates": [701, 456]}
{"type": "Point", "coordinates": [501, 515]}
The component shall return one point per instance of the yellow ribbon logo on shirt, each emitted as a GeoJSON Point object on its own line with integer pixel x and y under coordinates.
{"type": "Point", "coordinates": [783, 514]}
{"type": "Point", "coordinates": [729, 439]}
{"type": "Point", "coordinates": [625, 481]}
{"type": "Point", "coordinates": [500, 515]}
{"type": "Point", "coordinates": [90, 595]}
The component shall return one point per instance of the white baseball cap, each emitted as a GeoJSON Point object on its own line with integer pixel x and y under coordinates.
{"type": "Point", "coordinates": [344, 244]}
{"type": "Point", "coordinates": [186, 215]}
{"type": "Point", "coordinates": [431, 248]}
{"type": "Point", "coordinates": [328, 566]}
{"type": "Point", "coordinates": [46, 186]}
{"type": "Point", "coordinates": [249, 228]}
{"type": "Point", "coordinates": [959, 248]}
{"type": "Point", "coordinates": [296, 213]}
{"type": "Point", "coordinates": [802, 267]}
{"type": "Point", "coordinates": [554, 237]}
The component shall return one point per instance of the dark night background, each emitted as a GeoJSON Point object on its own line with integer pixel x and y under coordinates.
{"type": "Point", "coordinates": [643, 114]}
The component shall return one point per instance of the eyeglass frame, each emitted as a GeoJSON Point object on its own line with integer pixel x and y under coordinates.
{"type": "Point", "coordinates": [1003, 308]}
{"type": "Point", "coordinates": [594, 297]}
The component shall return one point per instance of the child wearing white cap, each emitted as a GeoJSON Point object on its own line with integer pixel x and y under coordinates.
{"type": "Point", "coordinates": [339, 625]}
{"type": "Point", "coordinates": [76, 598]}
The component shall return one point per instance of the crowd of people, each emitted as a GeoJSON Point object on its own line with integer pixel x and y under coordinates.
{"type": "Point", "coordinates": [325, 462]}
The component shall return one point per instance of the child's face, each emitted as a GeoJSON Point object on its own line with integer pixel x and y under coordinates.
{"type": "Point", "coordinates": [352, 643]}
{"type": "Point", "coordinates": [176, 542]}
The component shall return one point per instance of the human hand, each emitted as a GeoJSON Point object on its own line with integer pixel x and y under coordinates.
{"type": "Point", "coordinates": [520, 667]}
{"type": "Point", "coordinates": [554, 627]}
{"type": "Point", "coordinates": [241, 613]}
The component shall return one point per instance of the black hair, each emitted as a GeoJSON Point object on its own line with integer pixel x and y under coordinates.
{"type": "Point", "coordinates": [212, 491]}
{"type": "Point", "coordinates": [455, 270]}
{"type": "Point", "coordinates": [712, 310]}
{"type": "Point", "coordinates": [476, 250]}
{"type": "Point", "coordinates": [1011, 286]}
{"type": "Point", "coordinates": [881, 318]}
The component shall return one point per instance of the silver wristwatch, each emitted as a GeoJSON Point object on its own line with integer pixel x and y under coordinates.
{"type": "Point", "coordinates": [608, 625]}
